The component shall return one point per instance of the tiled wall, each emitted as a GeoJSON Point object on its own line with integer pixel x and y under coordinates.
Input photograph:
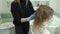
{"type": "Point", "coordinates": [9, 15]}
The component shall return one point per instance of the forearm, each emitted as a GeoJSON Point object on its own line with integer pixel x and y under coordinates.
{"type": "Point", "coordinates": [30, 17]}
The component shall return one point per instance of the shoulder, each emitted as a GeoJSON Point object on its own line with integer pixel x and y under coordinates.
{"type": "Point", "coordinates": [13, 3]}
{"type": "Point", "coordinates": [29, 2]}
{"type": "Point", "coordinates": [46, 32]}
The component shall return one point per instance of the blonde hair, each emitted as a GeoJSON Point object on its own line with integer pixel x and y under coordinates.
{"type": "Point", "coordinates": [20, 2]}
{"type": "Point", "coordinates": [43, 14]}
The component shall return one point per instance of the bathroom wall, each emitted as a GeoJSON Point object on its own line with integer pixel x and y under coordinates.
{"type": "Point", "coordinates": [52, 3]}
{"type": "Point", "coordinates": [5, 6]}
{"type": "Point", "coordinates": [0, 6]}
{"type": "Point", "coordinates": [58, 6]}
{"type": "Point", "coordinates": [6, 9]}
{"type": "Point", "coordinates": [5, 13]}
{"type": "Point", "coordinates": [0, 10]}
{"type": "Point", "coordinates": [55, 4]}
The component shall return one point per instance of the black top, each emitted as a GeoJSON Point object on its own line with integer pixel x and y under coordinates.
{"type": "Point", "coordinates": [21, 12]}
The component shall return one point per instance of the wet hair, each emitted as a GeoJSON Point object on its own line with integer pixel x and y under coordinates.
{"type": "Point", "coordinates": [43, 13]}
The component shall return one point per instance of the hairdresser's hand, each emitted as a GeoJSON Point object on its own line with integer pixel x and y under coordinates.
{"type": "Point", "coordinates": [23, 20]}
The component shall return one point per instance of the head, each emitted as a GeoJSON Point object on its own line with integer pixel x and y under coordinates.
{"type": "Point", "coordinates": [19, 1]}
{"type": "Point", "coordinates": [43, 14]}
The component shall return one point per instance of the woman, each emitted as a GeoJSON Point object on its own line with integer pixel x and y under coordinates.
{"type": "Point", "coordinates": [21, 9]}
{"type": "Point", "coordinates": [42, 16]}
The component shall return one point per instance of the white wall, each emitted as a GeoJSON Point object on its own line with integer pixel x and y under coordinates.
{"type": "Point", "coordinates": [58, 6]}
{"type": "Point", "coordinates": [0, 6]}
{"type": "Point", "coordinates": [53, 3]}
{"type": "Point", "coordinates": [3, 6]}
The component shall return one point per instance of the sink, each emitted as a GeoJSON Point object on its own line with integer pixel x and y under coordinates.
{"type": "Point", "coordinates": [6, 25]}
{"type": "Point", "coordinates": [7, 28]}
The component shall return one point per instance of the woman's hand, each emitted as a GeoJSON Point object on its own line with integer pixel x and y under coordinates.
{"type": "Point", "coordinates": [23, 20]}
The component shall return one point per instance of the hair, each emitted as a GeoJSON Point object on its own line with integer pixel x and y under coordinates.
{"type": "Point", "coordinates": [20, 2]}
{"type": "Point", "coordinates": [43, 13]}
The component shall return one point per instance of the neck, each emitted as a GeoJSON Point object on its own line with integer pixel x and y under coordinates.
{"type": "Point", "coordinates": [15, 1]}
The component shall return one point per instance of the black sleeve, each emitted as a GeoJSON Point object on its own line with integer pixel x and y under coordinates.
{"type": "Point", "coordinates": [15, 13]}
{"type": "Point", "coordinates": [31, 7]}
